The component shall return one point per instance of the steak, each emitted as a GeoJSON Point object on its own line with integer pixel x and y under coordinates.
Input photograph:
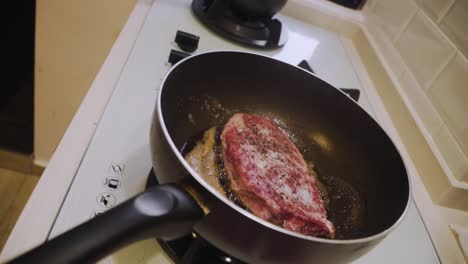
{"type": "Point", "coordinates": [270, 177]}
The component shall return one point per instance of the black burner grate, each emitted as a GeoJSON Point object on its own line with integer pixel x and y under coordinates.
{"type": "Point", "coordinates": [191, 248]}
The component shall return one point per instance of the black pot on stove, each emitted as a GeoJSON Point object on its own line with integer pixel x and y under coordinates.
{"type": "Point", "coordinates": [257, 9]}
{"type": "Point", "coordinates": [249, 22]}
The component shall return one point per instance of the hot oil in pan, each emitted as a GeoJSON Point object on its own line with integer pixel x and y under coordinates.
{"type": "Point", "coordinates": [345, 208]}
{"type": "Point", "coordinates": [221, 183]}
{"type": "Point", "coordinates": [343, 203]}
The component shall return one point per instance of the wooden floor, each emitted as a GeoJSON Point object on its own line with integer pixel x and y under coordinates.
{"type": "Point", "coordinates": [15, 189]}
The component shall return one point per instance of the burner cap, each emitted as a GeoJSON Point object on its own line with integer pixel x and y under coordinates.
{"type": "Point", "coordinates": [218, 16]}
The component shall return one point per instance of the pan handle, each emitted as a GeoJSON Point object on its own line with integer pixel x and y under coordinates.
{"type": "Point", "coordinates": [165, 211]}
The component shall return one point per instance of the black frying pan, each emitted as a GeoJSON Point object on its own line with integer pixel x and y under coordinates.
{"type": "Point", "coordinates": [355, 159]}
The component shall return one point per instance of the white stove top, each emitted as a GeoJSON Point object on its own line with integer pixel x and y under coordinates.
{"type": "Point", "coordinates": [117, 162]}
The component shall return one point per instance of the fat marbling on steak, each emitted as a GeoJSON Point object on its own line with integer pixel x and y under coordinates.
{"type": "Point", "coordinates": [270, 177]}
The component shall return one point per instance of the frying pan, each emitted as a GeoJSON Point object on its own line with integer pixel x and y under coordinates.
{"type": "Point", "coordinates": [364, 174]}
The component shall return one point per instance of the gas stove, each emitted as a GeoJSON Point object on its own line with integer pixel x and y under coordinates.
{"type": "Point", "coordinates": [117, 161]}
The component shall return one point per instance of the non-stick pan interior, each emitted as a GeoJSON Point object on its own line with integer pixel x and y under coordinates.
{"type": "Point", "coordinates": [364, 174]}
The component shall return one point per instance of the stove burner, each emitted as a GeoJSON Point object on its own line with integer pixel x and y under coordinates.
{"type": "Point", "coordinates": [353, 93]}
{"type": "Point", "coordinates": [217, 15]}
{"type": "Point", "coordinates": [191, 248]}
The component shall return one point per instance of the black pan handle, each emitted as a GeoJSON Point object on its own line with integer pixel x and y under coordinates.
{"type": "Point", "coordinates": [165, 211]}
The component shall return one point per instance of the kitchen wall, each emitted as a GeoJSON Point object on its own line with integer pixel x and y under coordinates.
{"type": "Point", "coordinates": [73, 39]}
{"type": "Point", "coordinates": [425, 45]}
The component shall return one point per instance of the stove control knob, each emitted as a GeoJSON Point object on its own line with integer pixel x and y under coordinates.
{"type": "Point", "coordinates": [175, 56]}
{"type": "Point", "coordinates": [186, 41]}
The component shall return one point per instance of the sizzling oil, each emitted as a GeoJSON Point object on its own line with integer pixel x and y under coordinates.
{"type": "Point", "coordinates": [197, 152]}
{"type": "Point", "coordinates": [222, 173]}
